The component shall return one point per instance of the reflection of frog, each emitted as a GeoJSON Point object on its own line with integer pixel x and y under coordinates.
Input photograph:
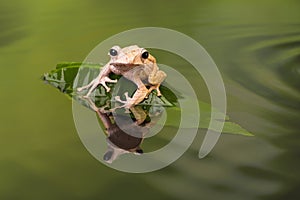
{"type": "Point", "coordinates": [135, 64]}
{"type": "Point", "coordinates": [119, 141]}
{"type": "Point", "coordinates": [124, 133]}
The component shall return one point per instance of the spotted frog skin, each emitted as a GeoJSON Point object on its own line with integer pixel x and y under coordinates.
{"type": "Point", "coordinates": [137, 65]}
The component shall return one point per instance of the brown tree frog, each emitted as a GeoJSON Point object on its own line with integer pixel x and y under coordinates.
{"type": "Point", "coordinates": [137, 65]}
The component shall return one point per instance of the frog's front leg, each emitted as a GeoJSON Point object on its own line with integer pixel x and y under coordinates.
{"type": "Point", "coordinates": [102, 78]}
{"type": "Point", "coordinates": [156, 77]}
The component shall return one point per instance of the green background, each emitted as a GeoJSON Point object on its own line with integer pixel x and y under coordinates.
{"type": "Point", "coordinates": [255, 44]}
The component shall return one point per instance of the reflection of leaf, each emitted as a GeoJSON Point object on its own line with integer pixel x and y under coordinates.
{"type": "Point", "coordinates": [64, 76]}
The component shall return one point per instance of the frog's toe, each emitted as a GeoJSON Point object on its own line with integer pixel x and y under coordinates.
{"type": "Point", "coordinates": [117, 98]}
{"type": "Point", "coordinates": [126, 95]}
{"type": "Point", "coordinates": [158, 92]}
{"type": "Point", "coordinates": [107, 79]}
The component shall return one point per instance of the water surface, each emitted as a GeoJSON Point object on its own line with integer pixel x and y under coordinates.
{"type": "Point", "coordinates": [256, 46]}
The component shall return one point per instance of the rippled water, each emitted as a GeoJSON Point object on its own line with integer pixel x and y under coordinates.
{"type": "Point", "coordinates": [256, 46]}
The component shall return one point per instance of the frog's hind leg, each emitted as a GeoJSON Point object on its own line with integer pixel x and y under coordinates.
{"type": "Point", "coordinates": [141, 92]}
{"type": "Point", "coordinates": [155, 80]}
{"type": "Point", "coordinates": [138, 97]}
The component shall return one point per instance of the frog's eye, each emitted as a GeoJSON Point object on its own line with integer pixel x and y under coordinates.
{"type": "Point", "coordinates": [145, 55]}
{"type": "Point", "coordinates": [139, 151]}
{"type": "Point", "coordinates": [113, 52]}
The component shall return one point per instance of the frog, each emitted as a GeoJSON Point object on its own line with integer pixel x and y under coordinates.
{"type": "Point", "coordinates": [135, 64]}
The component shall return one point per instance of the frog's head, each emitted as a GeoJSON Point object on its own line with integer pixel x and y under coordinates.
{"type": "Point", "coordinates": [130, 56]}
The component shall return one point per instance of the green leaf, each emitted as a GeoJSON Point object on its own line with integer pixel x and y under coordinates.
{"type": "Point", "coordinates": [65, 77]}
